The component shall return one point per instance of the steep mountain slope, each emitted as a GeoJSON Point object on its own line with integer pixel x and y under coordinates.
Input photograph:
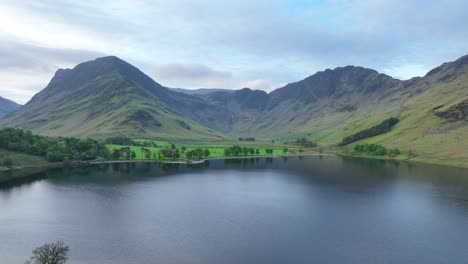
{"type": "Point", "coordinates": [7, 106]}
{"type": "Point", "coordinates": [332, 104]}
{"type": "Point", "coordinates": [432, 110]}
{"type": "Point", "coordinates": [106, 97]}
{"type": "Point", "coordinates": [325, 99]}
{"type": "Point", "coordinates": [434, 120]}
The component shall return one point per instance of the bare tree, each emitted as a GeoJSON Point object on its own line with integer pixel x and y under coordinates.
{"type": "Point", "coordinates": [54, 253]}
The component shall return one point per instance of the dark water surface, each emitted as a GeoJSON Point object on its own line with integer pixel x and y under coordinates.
{"type": "Point", "coordinates": [312, 210]}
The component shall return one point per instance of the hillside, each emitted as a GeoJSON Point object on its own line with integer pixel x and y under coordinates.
{"type": "Point", "coordinates": [200, 91]}
{"type": "Point", "coordinates": [7, 106]}
{"type": "Point", "coordinates": [108, 96]}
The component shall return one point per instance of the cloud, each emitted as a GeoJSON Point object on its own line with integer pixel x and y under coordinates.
{"type": "Point", "coordinates": [16, 55]}
{"type": "Point", "coordinates": [26, 69]}
{"type": "Point", "coordinates": [191, 72]}
{"type": "Point", "coordinates": [257, 84]}
{"type": "Point", "coordinates": [406, 71]}
{"type": "Point", "coordinates": [231, 43]}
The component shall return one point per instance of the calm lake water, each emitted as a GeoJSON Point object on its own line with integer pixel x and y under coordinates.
{"type": "Point", "coordinates": [312, 210]}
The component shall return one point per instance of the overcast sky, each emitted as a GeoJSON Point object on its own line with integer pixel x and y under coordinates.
{"type": "Point", "coordinates": [261, 44]}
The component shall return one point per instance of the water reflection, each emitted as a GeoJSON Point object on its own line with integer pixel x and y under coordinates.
{"type": "Point", "coordinates": [311, 209]}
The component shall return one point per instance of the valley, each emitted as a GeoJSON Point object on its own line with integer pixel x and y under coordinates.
{"type": "Point", "coordinates": [108, 97]}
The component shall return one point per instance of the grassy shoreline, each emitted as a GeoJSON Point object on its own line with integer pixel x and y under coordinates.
{"type": "Point", "coordinates": [16, 172]}
{"type": "Point", "coordinates": [419, 159]}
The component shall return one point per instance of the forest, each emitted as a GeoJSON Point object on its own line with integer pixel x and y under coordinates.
{"type": "Point", "coordinates": [53, 149]}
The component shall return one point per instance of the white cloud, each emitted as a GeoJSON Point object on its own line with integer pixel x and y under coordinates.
{"type": "Point", "coordinates": [228, 43]}
{"type": "Point", "coordinates": [257, 84]}
{"type": "Point", "coordinates": [198, 74]}
{"type": "Point", "coordinates": [407, 71]}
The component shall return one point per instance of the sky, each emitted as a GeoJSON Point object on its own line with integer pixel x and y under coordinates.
{"type": "Point", "coordinates": [261, 44]}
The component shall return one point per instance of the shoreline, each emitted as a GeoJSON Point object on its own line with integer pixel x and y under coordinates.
{"type": "Point", "coordinates": [429, 161]}
{"type": "Point", "coordinates": [208, 159]}
{"type": "Point", "coordinates": [433, 161]}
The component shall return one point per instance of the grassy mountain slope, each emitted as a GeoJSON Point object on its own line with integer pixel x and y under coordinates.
{"type": "Point", "coordinates": [422, 130]}
{"type": "Point", "coordinates": [336, 103]}
{"type": "Point", "coordinates": [7, 106]}
{"type": "Point", "coordinates": [416, 102]}
{"type": "Point", "coordinates": [106, 97]}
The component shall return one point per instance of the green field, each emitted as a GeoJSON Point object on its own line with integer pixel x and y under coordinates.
{"type": "Point", "coordinates": [216, 149]}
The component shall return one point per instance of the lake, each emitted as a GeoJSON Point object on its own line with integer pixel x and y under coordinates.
{"type": "Point", "coordinates": [315, 209]}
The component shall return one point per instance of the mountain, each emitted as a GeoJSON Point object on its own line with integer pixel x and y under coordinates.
{"type": "Point", "coordinates": [7, 106]}
{"type": "Point", "coordinates": [108, 96]}
{"type": "Point", "coordinates": [200, 91]}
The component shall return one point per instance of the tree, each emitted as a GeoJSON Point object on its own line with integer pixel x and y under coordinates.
{"type": "Point", "coordinates": [304, 142]}
{"type": "Point", "coordinates": [133, 155]}
{"type": "Point", "coordinates": [252, 151]}
{"type": "Point", "coordinates": [206, 152]}
{"type": "Point", "coordinates": [381, 128]}
{"type": "Point", "coordinates": [189, 154]}
{"type": "Point", "coordinates": [245, 150]}
{"type": "Point", "coordinates": [227, 152]}
{"type": "Point", "coordinates": [285, 150]}
{"type": "Point", "coordinates": [173, 146]}
{"type": "Point", "coordinates": [116, 154]}
{"type": "Point", "coordinates": [184, 148]}
{"type": "Point", "coordinates": [301, 151]}
{"type": "Point", "coordinates": [198, 153]}
{"type": "Point", "coordinates": [147, 154]}
{"type": "Point", "coordinates": [54, 253]}
{"type": "Point", "coordinates": [55, 156]}
{"type": "Point", "coordinates": [7, 162]}
{"type": "Point", "coordinates": [257, 151]}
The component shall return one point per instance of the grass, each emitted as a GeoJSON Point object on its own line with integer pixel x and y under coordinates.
{"type": "Point", "coordinates": [216, 148]}
{"type": "Point", "coordinates": [22, 159]}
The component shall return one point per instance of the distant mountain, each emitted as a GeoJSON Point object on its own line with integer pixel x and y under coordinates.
{"type": "Point", "coordinates": [7, 106]}
{"type": "Point", "coordinates": [342, 81]}
{"type": "Point", "coordinates": [108, 96]}
{"type": "Point", "coordinates": [200, 91]}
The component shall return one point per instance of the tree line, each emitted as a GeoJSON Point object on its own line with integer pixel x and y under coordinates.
{"type": "Point", "coordinates": [304, 142]}
{"type": "Point", "coordinates": [167, 153]}
{"type": "Point", "coordinates": [125, 141]}
{"type": "Point", "coordinates": [381, 128]}
{"type": "Point", "coordinates": [376, 150]}
{"type": "Point", "coordinates": [246, 139]}
{"type": "Point", "coordinates": [237, 151]}
{"type": "Point", "coordinates": [52, 148]}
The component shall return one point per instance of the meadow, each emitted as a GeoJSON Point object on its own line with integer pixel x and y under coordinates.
{"type": "Point", "coordinates": [216, 148]}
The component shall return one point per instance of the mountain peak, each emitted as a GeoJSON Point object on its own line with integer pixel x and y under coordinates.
{"type": "Point", "coordinates": [90, 73]}
{"type": "Point", "coordinates": [338, 81]}
{"type": "Point", "coordinates": [449, 67]}
{"type": "Point", "coordinates": [462, 61]}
